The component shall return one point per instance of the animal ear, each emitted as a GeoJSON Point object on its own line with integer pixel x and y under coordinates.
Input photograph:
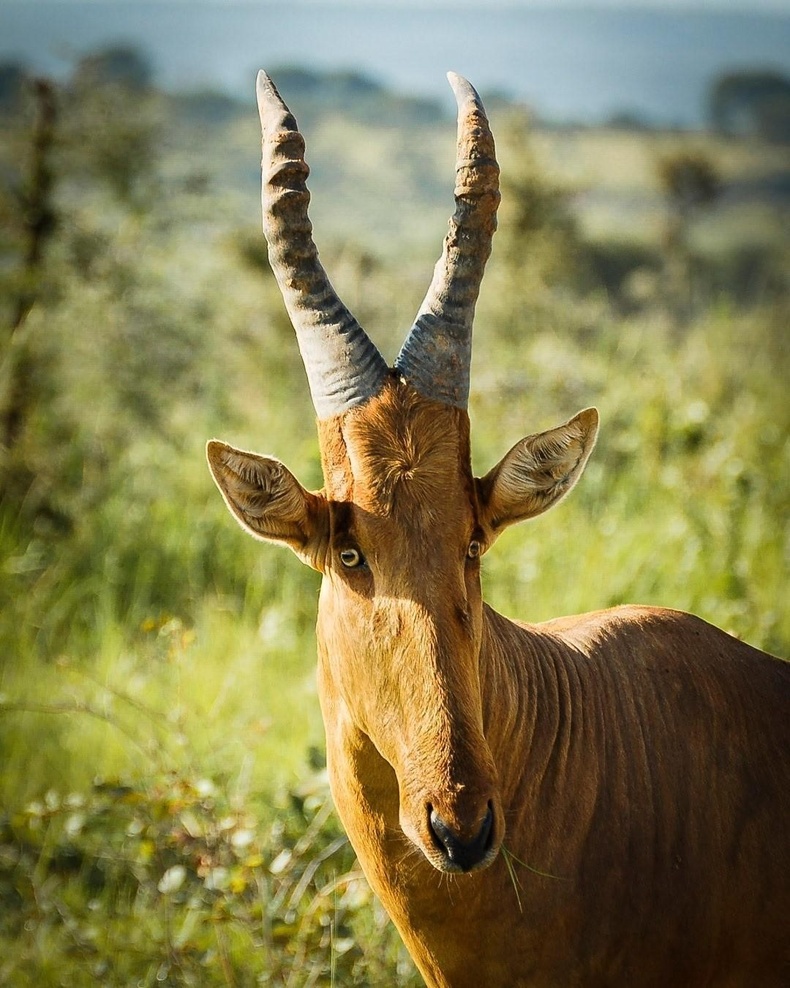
{"type": "Point", "coordinates": [537, 472]}
{"type": "Point", "coordinates": [268, 501]}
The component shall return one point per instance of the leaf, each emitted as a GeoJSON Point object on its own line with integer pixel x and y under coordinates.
{"type": "Point", "coordinates": [172, 880]}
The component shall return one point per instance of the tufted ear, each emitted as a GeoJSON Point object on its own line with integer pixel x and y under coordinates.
{"type": "Point", "coordinates": [269, 502]}
{"type": "Point", "coordinates": [537, 472]}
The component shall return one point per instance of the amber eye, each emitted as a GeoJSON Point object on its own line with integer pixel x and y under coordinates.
{"type": "Point", "coordinates": [474, 549]}
{"type": "Point", "coordinates": [351, 558]}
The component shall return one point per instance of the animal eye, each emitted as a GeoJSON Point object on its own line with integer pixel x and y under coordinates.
{"type": "Point", "coordinates": [474, 549]}
{"type": "Point", "coordinates": [351, 558]}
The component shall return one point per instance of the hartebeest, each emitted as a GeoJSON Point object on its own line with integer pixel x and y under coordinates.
{"type": "Point", "coordinates": [638, 759]}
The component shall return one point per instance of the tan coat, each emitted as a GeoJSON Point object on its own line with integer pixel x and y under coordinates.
{"type": "Point", "coordinates": [600, 800]}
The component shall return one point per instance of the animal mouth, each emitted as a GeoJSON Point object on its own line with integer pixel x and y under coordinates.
{"type": "Point", "coordinates": [456, 854]}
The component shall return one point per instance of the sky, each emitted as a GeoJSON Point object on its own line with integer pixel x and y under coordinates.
{"type": "Point", "coordinates": [782, 6]}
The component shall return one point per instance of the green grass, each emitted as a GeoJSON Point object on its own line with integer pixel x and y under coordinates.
{"type": "Point", "coordinates": [163, 812]}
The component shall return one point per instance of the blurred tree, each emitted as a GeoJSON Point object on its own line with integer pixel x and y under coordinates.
{"type": "Point", "coordinates": [751, 103]}
{"type": "Point", "coordinates": [36, 223]}
{"type": "Point", "coordinates": [690, 183]}
{"type": "Point", "coordinates": [538, 236]}
{"type": "Point", "coordinates": [13, 78]}
{"type": "Point", "coordinates": [103, 339]}
{"type": "Point", "coordinates": [354, 94]}
{"type": "Point", "coordinates": [208, 107]}
{"type": "Point", "coordinates": [119, 65]}
{"type": "Point", "coordinates": [92, 135]}
{"type": "Point", "coordinates": [689, 179]}
{"type": "Point", "coordinates": [113, 122]}
{"type": "Point", "coordinates": [774, 118]}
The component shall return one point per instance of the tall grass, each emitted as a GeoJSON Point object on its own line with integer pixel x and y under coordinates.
{"type": "Point", "coordinates": [163, 812]}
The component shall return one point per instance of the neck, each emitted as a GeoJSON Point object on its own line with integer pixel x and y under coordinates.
{"type": "Point", "coordinates": [522, 674]}
{"type": "Point", "coordinates": [366, 793]}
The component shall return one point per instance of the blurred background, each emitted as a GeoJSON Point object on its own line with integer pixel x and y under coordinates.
{"type": "Point", "coordinates": [164, 817]}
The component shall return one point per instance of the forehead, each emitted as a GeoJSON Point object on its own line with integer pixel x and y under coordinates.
{"type": "Point", "coordinates": [399, 451]}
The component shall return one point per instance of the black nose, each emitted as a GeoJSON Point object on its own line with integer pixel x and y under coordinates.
{"type": "Point", "coordinates": [463, 854]}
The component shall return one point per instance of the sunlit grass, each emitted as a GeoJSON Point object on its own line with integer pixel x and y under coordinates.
{"type": "Point", "coordinates": [157, 686]}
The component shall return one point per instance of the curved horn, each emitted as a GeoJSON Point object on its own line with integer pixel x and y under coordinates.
{"type": "Point", "coordinates": [343, 366]}
{"type": "Point", "coordinates": [437, 353]}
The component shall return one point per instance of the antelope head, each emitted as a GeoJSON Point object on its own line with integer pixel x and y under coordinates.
{"type": "Point", "coordinates": [400, 525]}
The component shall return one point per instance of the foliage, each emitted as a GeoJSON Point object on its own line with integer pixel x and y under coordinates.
{"type": "Point", "coordinates": [689, 180]}
{"type": "Point", "coordinates": [539, 236]}
{"type": "Point", "coordinates": [751, 103]}
{"type": "Point", "coordinates": [35, 227]}
{"type": "Point", "coordinates": [690, 183]}
{"type": "Point", "coordinates": [118, 66]}
{"type": "Point", "coordinates": [113, 126]}
{"type": "Point", "coordinates": [355, 93]}
{"type": "Point", "coordinates": [156, 685]}
{"type": "Point", "coordinates": [13, 79]}
{"type": "Point", "coordinates": [176, 885]}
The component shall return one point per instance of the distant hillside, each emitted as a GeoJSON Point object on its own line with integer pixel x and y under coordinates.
{"type": "Point", "coordinates": [382, 161]}
{"type": "Point", "coordinates": [574, 63]}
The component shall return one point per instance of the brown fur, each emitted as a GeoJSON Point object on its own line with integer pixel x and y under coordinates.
{"type": "Point", "coordinates": [637, 759]}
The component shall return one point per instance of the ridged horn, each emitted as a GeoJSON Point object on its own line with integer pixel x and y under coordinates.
{"type": "Point", "coordinates": [437, 354]}
{"type": "Point", "coordinates": [343, 366]}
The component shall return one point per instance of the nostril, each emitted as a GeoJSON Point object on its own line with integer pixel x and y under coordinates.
{"type": "Point", "coordinates": [443, 837]}
{"type": "Point", "coordinates": [464, 854]}
{"type": "Point", "coordinates": [487, 828]}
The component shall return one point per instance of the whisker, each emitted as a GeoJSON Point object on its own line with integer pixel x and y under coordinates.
{"type": "Point", "coordinates": [510, 857]}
